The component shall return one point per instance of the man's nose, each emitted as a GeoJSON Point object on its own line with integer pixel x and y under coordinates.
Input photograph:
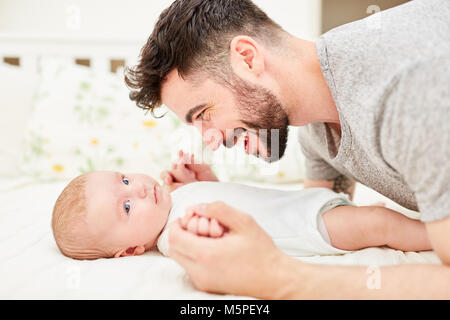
{"type": "Point", "coordinates": [212, 137]}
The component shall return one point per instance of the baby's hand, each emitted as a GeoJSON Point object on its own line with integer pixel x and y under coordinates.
{"type": "Point", "coordinates": [203, 171]}
{"type": "Point", "coordinates": [179, 174]}
{"type": "Point", "coordinates": [201, 226]}
{"type": "Point", "coordinates": [185, 170]}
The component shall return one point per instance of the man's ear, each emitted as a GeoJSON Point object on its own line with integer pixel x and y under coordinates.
{"type": "Point", "coordinates": [246, 57]}
{"type": "Point", "coordinates": [131, 251]}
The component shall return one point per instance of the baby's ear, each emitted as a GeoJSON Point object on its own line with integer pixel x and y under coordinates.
{"type": "Point", "coordinates": [131, 251]}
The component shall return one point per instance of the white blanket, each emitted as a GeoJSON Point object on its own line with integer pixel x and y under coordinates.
{"type": "Point", "coordinates": [32, 268]}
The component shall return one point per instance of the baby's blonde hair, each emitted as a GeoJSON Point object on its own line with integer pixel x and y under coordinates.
{"type": "Point", "coordinates": [69, 223]}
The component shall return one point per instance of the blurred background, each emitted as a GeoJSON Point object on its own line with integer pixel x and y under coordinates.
{"type": "Point", "coordinates": [64, 105]}
{"type": "Point", "coordinates": [338, 12]}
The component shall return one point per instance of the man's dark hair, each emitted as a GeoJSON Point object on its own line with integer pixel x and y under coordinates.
{"type": "Point", "coordinates": [194, 36]}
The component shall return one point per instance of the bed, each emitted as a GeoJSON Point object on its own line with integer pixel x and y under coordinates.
{"type": "Point", "coordinates": [32, 268]}
{"type": "Point", "coordinates": [38, 158]}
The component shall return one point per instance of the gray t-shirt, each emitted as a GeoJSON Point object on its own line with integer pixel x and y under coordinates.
{"type": "Point", "coordinates": [389, 75]}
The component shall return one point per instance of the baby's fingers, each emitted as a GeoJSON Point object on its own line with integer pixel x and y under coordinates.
{"type": "Point", "coordinates": [166, 177]}
{"type": "Point", "coordinates": [190, 212]}
{"type": "Point", "coordinates": [183, 174]}
{"type": "Point", "coordinates": [203, 226]}
{"type": "Point", "coordinates": [185, 158]}
{"type": "Point", "coordinates": [215, 229]}
{"type": "Point", "coordinates": [192, 225]}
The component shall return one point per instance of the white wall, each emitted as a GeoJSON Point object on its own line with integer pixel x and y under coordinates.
{"type": "Point", "coordinates": [132, 19]}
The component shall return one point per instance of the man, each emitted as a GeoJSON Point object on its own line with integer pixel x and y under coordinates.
{"type": "Point", "coordinates": [372, 98]}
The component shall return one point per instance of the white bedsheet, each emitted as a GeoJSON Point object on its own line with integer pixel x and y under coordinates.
{"type": "Point", "coordinates": [32, 268]}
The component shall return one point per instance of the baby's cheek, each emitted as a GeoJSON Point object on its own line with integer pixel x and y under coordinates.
{"type": "Point", "coordinates": [144, 230]}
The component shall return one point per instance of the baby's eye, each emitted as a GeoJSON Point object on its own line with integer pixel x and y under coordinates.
{"type": "Point", "coordinates": [127, 206]}
{"type": "Point", "coordinates": [125, 180]}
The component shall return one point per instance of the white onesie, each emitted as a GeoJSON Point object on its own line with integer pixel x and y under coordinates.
{"type": "Point", "coordinates": [293, 219]}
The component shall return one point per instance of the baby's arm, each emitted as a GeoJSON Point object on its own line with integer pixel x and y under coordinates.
{"type": "Point", "coordinates": [353, 228]}
{"type": "Point", "coordinates": [202, 226]}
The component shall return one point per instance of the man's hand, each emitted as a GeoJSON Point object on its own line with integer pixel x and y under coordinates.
{"type": "Point", "coordinates": [185, 170]}
{"type": "Point", "coordinates": [243, 261]}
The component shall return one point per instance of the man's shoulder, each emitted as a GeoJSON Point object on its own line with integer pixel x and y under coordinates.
{"type": "Point", "coordinates": [422, 85]}
{"type": "Point", "coordinates": [363, 54]}
{"type": "Point", "coordinates": [422, 69]}
{"type": "Point", "coordinates": [418, 105]}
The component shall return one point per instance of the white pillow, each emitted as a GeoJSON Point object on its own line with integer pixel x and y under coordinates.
{"type": "Point", "coordinates": [17, 89]}
{"type": "Point", "coordinates": [82, 121]}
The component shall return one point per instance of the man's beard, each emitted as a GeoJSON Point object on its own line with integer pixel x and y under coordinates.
{"type": "Point", "coordinates": [262, 111]}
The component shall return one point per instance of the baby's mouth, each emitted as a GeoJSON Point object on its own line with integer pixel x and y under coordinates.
{"type": "Point", "coordinates": [155, 193]}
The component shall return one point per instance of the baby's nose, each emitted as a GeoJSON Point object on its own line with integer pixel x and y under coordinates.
{"type": "Point", "coordinates": [141, 190]}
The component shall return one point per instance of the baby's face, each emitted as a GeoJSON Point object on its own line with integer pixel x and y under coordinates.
{"type": "Point", "coordinates": [126, 210]}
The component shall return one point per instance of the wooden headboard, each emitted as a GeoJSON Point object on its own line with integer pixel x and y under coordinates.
{"type": "Point", "coordinates": [98, 53]}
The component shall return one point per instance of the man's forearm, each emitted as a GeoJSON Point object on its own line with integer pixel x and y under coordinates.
{"type": "Point", "coordinates": [311, 281]}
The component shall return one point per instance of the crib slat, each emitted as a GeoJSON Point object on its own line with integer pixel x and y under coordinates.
{"type": "Point", "coordinates": [15, 61]}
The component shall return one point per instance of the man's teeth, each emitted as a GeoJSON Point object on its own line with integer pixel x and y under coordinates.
{"type": "Point", "coordinates": [246, 144]}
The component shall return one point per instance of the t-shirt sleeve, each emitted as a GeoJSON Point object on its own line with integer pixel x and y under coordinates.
{"type": "Point", "coordinates": [415, 134]}
{"type": "Point", "coordinates": [316, 168]}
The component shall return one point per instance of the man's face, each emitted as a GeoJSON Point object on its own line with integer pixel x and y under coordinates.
{"type": "Point", "coordinates": [224, 115]}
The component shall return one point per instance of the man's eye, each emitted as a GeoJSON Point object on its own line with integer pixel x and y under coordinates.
{"type": "Point", "coordinates": [125, 180]}
{"type": "Point", "coordinates": [127, 206]}
{"type": "Point", "coordinates": [204, 115]}
{"type": "Point", "coordinates": [201, 114]}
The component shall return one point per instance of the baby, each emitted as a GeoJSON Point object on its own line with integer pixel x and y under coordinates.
{"type": "Point", "coordinates": [109, 214]}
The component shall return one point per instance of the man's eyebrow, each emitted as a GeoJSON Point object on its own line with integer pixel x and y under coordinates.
{"type": "Point", "coordinates": [193, 111]}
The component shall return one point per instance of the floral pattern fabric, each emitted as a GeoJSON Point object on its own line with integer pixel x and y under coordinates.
{"type": "Point", "coordinates": [83, 121]}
